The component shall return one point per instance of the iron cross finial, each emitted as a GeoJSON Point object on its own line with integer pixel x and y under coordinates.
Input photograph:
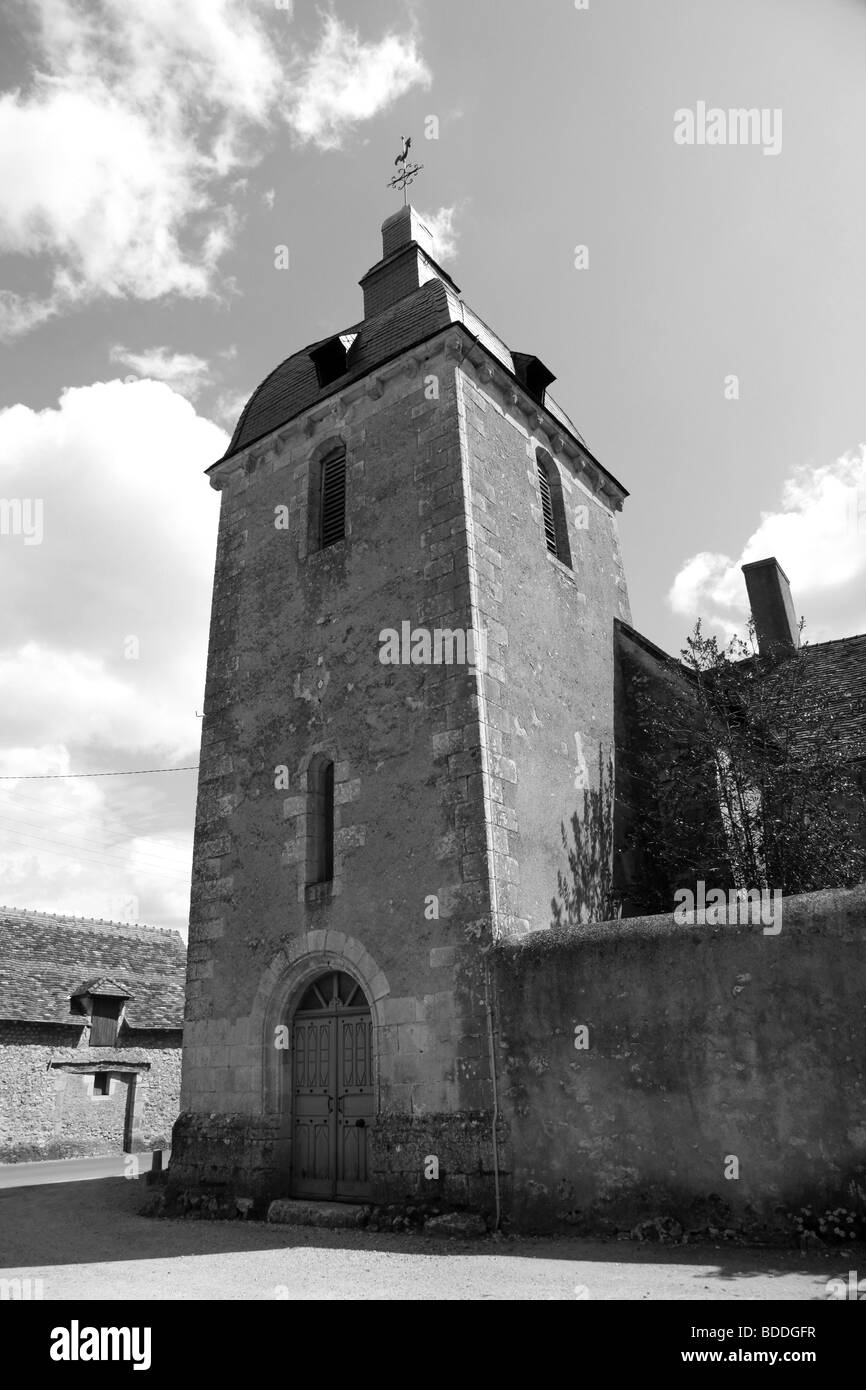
{"type": "Point", "coordinates": [408, 173]}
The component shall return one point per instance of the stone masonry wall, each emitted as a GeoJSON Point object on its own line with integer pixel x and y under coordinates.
{"type": "Point", "coordinates": [452, 782]}
{"type": "Point", "coordinates": [294, 671]}
{"type": "Point", "coordinates": [548, 696]}
{"type": "Point", "coordinates": [50, 1111]}
{"type": "Point", "coordinates": [723, 1080]}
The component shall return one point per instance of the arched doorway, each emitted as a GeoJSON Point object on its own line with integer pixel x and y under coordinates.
{"type": "Point", "coordinates": [332, 1089]}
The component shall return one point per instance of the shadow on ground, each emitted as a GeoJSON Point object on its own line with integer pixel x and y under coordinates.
{"type": "Point", "coordinates": [86, 1223]}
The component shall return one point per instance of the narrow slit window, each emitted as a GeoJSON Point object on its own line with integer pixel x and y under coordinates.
{"type": "Point", "coordinates": [328, 827]}
{"type": "Point", "coordinates": [320, 829]}
{"type": "Point", "coordinates": [332, 512]}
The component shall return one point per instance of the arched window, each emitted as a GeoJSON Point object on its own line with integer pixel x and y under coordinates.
{"type": "Point", "coordinates": [553, 510]}
{"type": "Point", "coordinates": [320, 821]}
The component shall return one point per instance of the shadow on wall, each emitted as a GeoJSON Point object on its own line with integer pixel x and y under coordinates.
{"type": "Point", "coordinates": [586, 893]}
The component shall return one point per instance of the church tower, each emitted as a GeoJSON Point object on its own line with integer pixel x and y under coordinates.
{"type": "Point", "coordinates": [409, 697]}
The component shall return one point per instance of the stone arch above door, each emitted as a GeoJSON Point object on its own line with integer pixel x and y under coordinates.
{"type": "Point", "coordinates": [283, 984]}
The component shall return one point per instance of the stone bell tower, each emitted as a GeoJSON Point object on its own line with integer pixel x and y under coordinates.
{"type": "Point", "coordinates": [409, 692]}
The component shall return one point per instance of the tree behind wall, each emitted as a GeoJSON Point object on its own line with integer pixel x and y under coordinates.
{"type": "Point", "coordinates": [739, 776]}
{"type": "Point", "coordinates": [586, 892]}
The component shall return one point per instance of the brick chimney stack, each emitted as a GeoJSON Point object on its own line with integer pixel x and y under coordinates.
{"type": "Point", "coordinates": [772, 606]}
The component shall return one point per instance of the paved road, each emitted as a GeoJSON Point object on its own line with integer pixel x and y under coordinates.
{"type": "Point", "coordinates": [85, 1240]}
{"type": "Point", "coordinates": [75, 1169]}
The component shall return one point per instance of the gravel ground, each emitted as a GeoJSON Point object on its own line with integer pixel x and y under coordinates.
{"type": "Point", "coordinates": [85, 1240]}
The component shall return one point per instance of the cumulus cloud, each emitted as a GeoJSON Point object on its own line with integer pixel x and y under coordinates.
{"type": "Point", "coordinates": [228, 406]}
{"type": "Point", "coordinates": [818, 535]}
{"type": "Point", "coordinates": [82, 846]}
{"type": "Point", "coordinates": [18, 314]}
{"type": "Point", "coordinates": [102, 657]}
{"type": "Point", "coordinates": [186, 372]}
{"type": "Point", "coordinates": [442, 227]}
{"type": "Point", "coordinates": [127, 551]}
{"type": "Point", "coordinates": [345, 81]}
{"type": "Point", "coordinates": [99, 706]}
{"type": "Point", "coordinates": [106, 164]}
{"type": "Point", "coordinates": [119, 158]}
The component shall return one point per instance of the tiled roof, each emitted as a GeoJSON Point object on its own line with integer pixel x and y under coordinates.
{"type": "Point", "coordinates": [835, 670]}
{"type": "Point", "coordinates": [839, 669]}
{"type": "Point", "coordinates": [103, 985]}
{"type": "Point", "coordinates": [293, 386]}
{"type": "Point", "coordinates": [45, 959]}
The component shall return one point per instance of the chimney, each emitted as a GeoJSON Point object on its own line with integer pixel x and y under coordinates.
{"type": "Point", "coordinates": [407, 263]}
{"type": "Point", "coordinates": [772, 607]}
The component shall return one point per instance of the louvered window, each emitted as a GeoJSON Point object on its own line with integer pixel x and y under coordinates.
{"type": "Point", "coordinates": [332, 524]}
{"type": "Point", "coordinates": [547, 509]}
{"type": "Point", "coordinates": [553, 510]}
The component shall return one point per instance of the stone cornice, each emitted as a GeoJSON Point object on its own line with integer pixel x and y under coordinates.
{"type": "Point", "coordinates": [335, 413]}
{"type": "Point", "coordinates": [463, 348]}
{"type": "Point", "coordinates": [539, 422]}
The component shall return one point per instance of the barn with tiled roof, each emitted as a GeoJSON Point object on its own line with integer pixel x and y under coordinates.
{"type": "Point", "coordinates": [91, 1020]}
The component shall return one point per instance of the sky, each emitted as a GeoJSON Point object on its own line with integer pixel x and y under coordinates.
{"type": "Point", "coordinates": [695, 283]}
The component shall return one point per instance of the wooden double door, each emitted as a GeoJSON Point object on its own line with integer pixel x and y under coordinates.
{"type": "Point", "coordinates": [332, 1090]}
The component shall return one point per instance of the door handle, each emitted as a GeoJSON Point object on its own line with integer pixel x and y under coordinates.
{"type": "Point", "coordinates": [360, 1124]}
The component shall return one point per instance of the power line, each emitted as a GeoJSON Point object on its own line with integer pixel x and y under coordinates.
{"type": "Point", "coordinates": [36, 845]}
{"type": "Point", "coordinates": [138, 772]}
{"type": "Point", "coordinates": [147, 816]}
{"type": "Point", "coordinates": [31, 827]}
{"type": "Point", "coordinates": [47, 809]}
{"type": "Point", "coordinates": [27, 851]}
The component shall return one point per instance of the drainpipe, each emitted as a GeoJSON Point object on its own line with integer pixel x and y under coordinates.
{"type": "Point", "coordinates": [487, 1000]}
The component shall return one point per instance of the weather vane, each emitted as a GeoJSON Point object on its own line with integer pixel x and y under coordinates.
{"type": "Point", "coordinates": [408, 173]}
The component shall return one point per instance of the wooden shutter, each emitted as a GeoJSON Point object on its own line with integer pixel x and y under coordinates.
{"type": "Point", "coordinates": [547, 510]}
{"type": "Point", "coordinates": [103, 1031]}
{"type": "Point", "coordinates": [333, 515]}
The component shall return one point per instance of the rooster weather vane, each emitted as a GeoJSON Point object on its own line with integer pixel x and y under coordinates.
{"type": "Point", "coordinates": [408, 173]}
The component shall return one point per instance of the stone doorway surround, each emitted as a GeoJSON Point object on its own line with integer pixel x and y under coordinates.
{"type": "Point", "coordinates": [280, 991]}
